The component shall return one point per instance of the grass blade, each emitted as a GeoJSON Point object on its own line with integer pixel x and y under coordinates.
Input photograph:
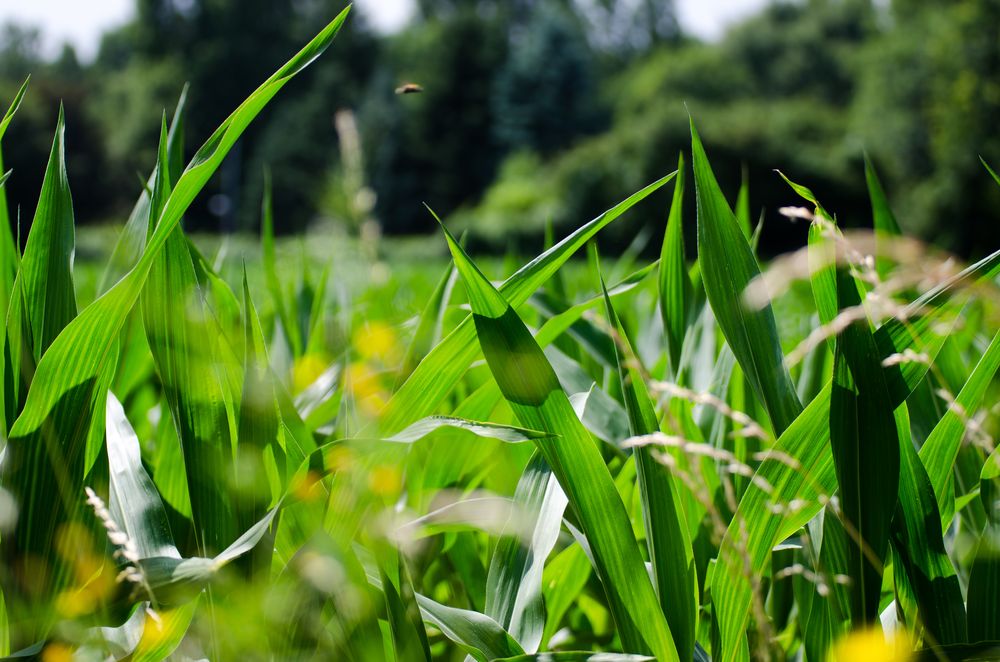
{"type": "Point", "coordinates": [984, 578]}
{"type": "Point", "coordinates": [134, 503]}
{"type": "Point", "coordinates": [728, 266]}
{"type": "Point", "coordinates": [675, 285]}
{"type": "Point", "coordinates": [514, 583]}
{"type": "Point", "coordinates": [865, 448]}
{"type": "Point", "coordinates": [9, 253]}
{"type": "Point", "coordinates": [886, 227]}
{"type": "Point", "coordinates": [408, 635]}
{"type": "Point", "coordinates": [183, 341]}
{"type": "Point", "coordinates": [440, 369]}
{"type": "Point", "coordinates": [291, 327]}
{"type": "Point", "coordinates": [918, 545]}
{"type": "Point", "coordinates": [533, 392]}
{"type": "Point", "coordinates": [43, 299]}
{"type": "Point", "coordinates": [667, 534]}
{"type": "Point", "coordinates": [940, 450]}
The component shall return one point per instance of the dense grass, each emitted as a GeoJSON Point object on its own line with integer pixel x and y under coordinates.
{"type": "Point", "coordinates": [323, 447]}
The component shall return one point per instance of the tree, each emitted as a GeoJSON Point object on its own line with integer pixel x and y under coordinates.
{"type": "Point", "coordinates": [224, 49]}
{"type": "Point", "coordinates": [545, 95]}
{"type": "Point", "coordinates": [930, 96]}
{"type": "Point", "coordinates": [436, 147]}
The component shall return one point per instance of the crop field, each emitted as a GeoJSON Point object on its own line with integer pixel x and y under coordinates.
{"type": "Point", "coordinates": [325, 448]}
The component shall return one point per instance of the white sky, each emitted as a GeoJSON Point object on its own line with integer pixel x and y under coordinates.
{"type": "Point", "coordinates": [81, 21]}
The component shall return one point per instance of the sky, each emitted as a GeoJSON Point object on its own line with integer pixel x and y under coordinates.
{"type": "Point", "coordinates": [81, 22]}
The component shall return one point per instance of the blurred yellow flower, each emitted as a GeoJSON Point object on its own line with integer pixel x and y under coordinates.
{"type": "Point", "coordinates": [71, 539]}
{"type": "Point", "coordinates": [385, 480]}
{"type": "Point", "coordinates": [339, 458]}
{"type": "Point", "coordinates": [307, 370]}
{"type": "Point", "coordinates": [56, 652]}
{"type": "Point", "coordinates": [303, 486]}
{"type": "Point", "coordinates": [377, 341]}
{"type": "Point", "coordinates": [871, 645]}
{"type": "Point", "coordinates": [366, 387]}
{"type": "Point", "coordinates": [97, 582]}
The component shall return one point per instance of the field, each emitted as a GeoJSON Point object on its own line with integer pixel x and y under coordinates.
{"type": "Point", "coordinates": [332, 447]}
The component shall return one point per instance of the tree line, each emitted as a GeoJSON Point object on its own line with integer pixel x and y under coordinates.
{"type": "Point", "coordinates": [530, 111]}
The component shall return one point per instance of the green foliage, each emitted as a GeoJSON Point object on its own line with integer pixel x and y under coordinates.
{"type": "Point", "coordinates": [375, 464]}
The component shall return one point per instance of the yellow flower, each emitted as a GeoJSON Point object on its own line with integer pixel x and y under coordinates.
{"type": "Point", "coordinates": [871, 645]}
{"type": "Point", "coordinates": [303, 485]}
{"type": "Point", "coordinates": [367, 389]}
{"type": "Point", "coordinates": [56, 652]}
{"type": "Point", "coordinates": [307, 370]}
{"type": "Point", "coordinates": [377, 341]}
{"type": "Point", "coordinates": [97, 583]}
{"type": "Point", "coordinates": [385, 481]}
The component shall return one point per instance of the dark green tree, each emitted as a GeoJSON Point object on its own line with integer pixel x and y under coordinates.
{"type": "Point", "coordinates": [224, 49]}
{"type": "Point", "coordinates": [546, 93]}
{"type": "Point", "coordinates": [437, 147]}
{"type": "Point", "coordinates": [928, 108]}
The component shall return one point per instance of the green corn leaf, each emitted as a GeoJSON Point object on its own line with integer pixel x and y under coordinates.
{"type": "Point", "coordinates": [477, 634]}
{"type": "Point", "coordinates": [258, 453]}
{"type": "Point", "coordinates": [776, 516]}
{"type": "Point", "coordinates": [666, 528]}
{"type": "Point", "coordinates": [675, 285]}
{"type": "Point", "coordinates": [728, 266]}
{"type": "Point", "coordinates": [941, 305]}
{"type": "Point", "coordinates": [742, 207]}
{"type": "Point", "coordinates": [918, 545]}
{"type": "Point", "coordinates": [822, 252]}
{"type": "Point", "coordinates": [290, 327]}
{"type": "Point", "coordinates": [806, 194]}
{"type": "Point", "coordinates": [984, 582]}
{"type": "Point", "coordinates": [43, 299]}
{"type": "Point", "coordinates": [865, 449]}
{"type": "Point", "coordinates": [408, 634]}
{"type": "Point", "coordinates": [510, 434]}
{"type": "Point", "coordinates": [514, 583]}
{"type": "Point", "coordinates": [531, 388]}
{"type": "Point", "coordinates": [562, 581]}
{"type": "Point", "coordinates": [577, 656]}
{"type": "Point", "coordinates": [559, 323]}
{"type": "Point", "coordinates": [428, 331]}
{"type": "Point", "coordinates": [14, 105]}
{"type": "Point", "coordinates": [172, 581]}
{"type": "Point", "coordinates": [591, 341]}
{"type": "Point", "coordinates": [940, 450]}
{"type": "Point", "coordinates": [886, 227]}
{"type": "Point", "coordinates": [9, 253]}
{"type": "Point", "coordinates": [183, 339]}
{"type": "Point", "coordinates": [441, 368]}
{"type": "Point", "coordinates": [990, 170]}
{"type": "Point", "coordinates": [829, 615]}
{"type": "Point", "coordinates": [45, 450]}
{"type": "Point", "coordinates": [146, 636]}
{"type": "Point", "coordinates": [160, 638]}
{"type": "Point", "coordinates": [134, 503]}
{"type": "Point", "coordinates": [823, 270]}
{"type": "Point", "coordinates": [884, 220]}
{"type": "Point", "coordinates": [984, 577]}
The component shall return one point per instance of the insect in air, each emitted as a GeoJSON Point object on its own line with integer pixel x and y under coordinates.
{"type": "Point", "coordinates": [409, 88]}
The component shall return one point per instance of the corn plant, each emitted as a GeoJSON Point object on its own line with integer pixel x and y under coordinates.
{"type": "Point", "coordinates": [677, 461]}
